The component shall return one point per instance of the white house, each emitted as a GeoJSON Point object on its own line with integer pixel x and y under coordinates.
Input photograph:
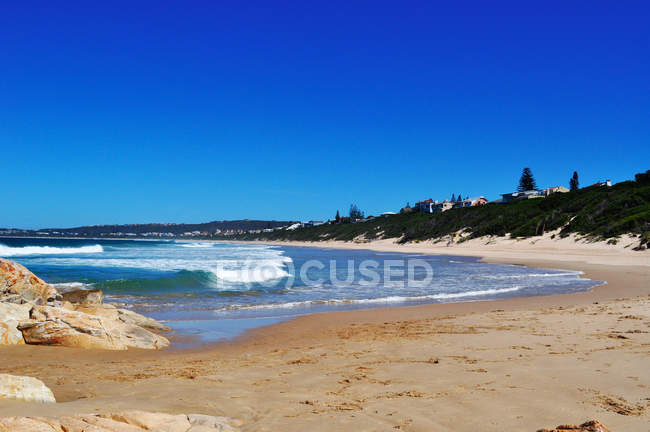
{"type": "Point", "coordinates": [471, 202]}
{"type": "Point", "coordinates": [521, 195]}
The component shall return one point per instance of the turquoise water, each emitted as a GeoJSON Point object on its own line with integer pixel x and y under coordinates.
{"type": "Point", "coordinates": [215, 291]}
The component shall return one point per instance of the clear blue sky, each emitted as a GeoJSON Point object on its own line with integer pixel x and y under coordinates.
{"type": "Point", "coordinates": [125, 112]}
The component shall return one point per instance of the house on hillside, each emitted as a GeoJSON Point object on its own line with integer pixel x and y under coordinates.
{"type": "Point", "coordinates": [426, 206]}
{"type": "Point", "coordinates": [521, 195]}
{"type": "Point", "coordinates": [444, 206]}
{"type": "Point", "coordinates": [472, 202]}
{"type": "Point", "coordinates": [554, 189]}
{"type": "Point", "coordinates": [607, 183]}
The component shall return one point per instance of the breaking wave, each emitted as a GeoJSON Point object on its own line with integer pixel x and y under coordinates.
{"type": "Point", "coordinates": [8, 251]}
{"type": "Point", "coordinates": [196, 245]}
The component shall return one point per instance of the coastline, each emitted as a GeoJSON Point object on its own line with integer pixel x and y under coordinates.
{"type": "Point", "coordinates": [390, 368]}
{"type": "Point", "coordinates": [621, 280]}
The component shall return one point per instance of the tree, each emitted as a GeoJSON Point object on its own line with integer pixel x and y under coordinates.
{"type": "Point", "coordinates": [355, 213]}
{"type": "Point", "coordinates": [573, 183]}
{"type": "Point", "coordinates": [453, 197]}
{"type": "Point", "coordinates": [459, 199]}
{"type": "Point", "coordinates": [338, 217]}
{"type": "Point", "coordinates": [527, 181]}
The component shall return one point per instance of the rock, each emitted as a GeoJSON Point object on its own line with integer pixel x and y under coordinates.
{"type": "Point", "coordinates": [124, 315]}
{"type": "Point", "coordinates": [84, 296]}
{"type": "Point", "coordinates": [130, 317]}
{"type": "Point", "coordinates": [200, 421]}
{"type": "Point", "coordinates": [26, 424]}
{"type": "Point", "coordinates": [590, 426]}
{"type": "Point", "coordinates": [19, 285]}
{"type": "Point", "coordinates": [10, 316]}
{"type": "Point", "coordinates": [153, 421]}
{"type": "Point", "coordinates": [24, 388]}
{"type": "Point", "coordinates": [33, 312]}
{"type": "Point", "coordinates": [59, 326]}
{"type": "Point", "coordinates": [128, 421]}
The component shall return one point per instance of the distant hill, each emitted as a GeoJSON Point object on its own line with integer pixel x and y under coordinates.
{"type": "Point", "coordinates": [206, 229]}
{"type": "Point", "coordinates": [599, 212]}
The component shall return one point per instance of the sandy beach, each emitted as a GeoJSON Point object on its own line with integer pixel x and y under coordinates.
{"type": "Point", "coordinates": [515, 364]}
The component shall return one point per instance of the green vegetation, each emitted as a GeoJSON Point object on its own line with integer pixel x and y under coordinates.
{"type": "Point", "coordinates": [527, 181]}
{"type": "Point", "coordinates": [574, 184]}
{"type": "Point", "coordinates": [355, 213]}
{"type": "Point", "coordinates": [598, 212]}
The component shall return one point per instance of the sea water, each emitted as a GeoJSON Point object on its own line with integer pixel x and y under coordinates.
{"type": "Point", "coordinates": [215, 290]}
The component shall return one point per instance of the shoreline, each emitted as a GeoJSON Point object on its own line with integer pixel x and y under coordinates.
{"type": "Point", "coordinates": [589, 270]}
{"type": "Point", "coordinates": [633, 284]}
{"type": "Point", "coordinates": [519, 363]}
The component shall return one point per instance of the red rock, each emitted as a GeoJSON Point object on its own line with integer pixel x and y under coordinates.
{"type": "Point", "coordinates": [19, 285]}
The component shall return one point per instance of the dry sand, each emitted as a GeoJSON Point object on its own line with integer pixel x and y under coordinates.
{"type": "Point", "coordinates": [516, 364]}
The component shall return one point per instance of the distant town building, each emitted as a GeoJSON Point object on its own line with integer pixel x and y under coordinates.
{"type": "Point", "coordinates": [426, 206]}
{"type": "Point", "coordinates": [607, 183]}
{"type": "Point", "coordinates": [472, 202]}
{"type": "Point", "coordinates": [444, 206]}
{"type": "Point", "coordinates": [521, 195]}
{"type": "Point", "coordinates": [554, 189]}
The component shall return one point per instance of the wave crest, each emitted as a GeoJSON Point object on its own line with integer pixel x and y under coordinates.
{"type": "Point", "coordinates": [8, 251]}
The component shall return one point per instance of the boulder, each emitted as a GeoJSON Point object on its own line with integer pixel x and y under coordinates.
{"type": "Point", "coordinates": [33, 312]}
{"type": "Point", "coordinates": [84, 296]}
{"type": "Point", "coordinates": [10, 316]}
{"type": "Point", "coordinates": [24, 388]}
{"type": "Point", "coordinates": [130, 317]}
{"type": "Point", "coordinates": [19, 285]}
{"type": "Point", "coordinates": [128, 421]}
{"type": "Point", "coordinates": [124, 315]}
{"type": "Point", "coordinates": [59, 326]}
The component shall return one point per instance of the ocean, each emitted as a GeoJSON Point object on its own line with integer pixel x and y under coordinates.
{"type": "Point", "coordinates": [209, 291]}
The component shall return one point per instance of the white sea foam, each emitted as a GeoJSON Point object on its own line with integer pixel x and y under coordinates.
{"type": "Point", "coordinates": [252, 275]}
{"type": "Point", "coordinates": [197, 245]}
{"type": "Point", "coordinates": [231, 266]}
{"type": "Point", "coordinates": [380, 300]}
{"type": "Point", "coordinates": [8, 251]}
{"type": "Point", "coordinates": [68, 285]}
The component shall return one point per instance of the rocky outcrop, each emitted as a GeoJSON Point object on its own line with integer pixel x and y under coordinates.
{"type": "Point", "coordinates": [10, 316]}
{"type": "Point", "coordinates": [128, 421]}
{"type": "Point", "coordinates": [84, 296]}
{"type": "Point", "coordinates": [33, 312]}
{"type": "Point", "coordinates": [19, 285]}
{"type": "Point", "coordinates": [59, 326]}
{"type": "Point", "coordinates": [590, 426]}
{"type": "Point", "coordinates": [24, 388]}
{"type": "Point", "coordinates": [124, 315]}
